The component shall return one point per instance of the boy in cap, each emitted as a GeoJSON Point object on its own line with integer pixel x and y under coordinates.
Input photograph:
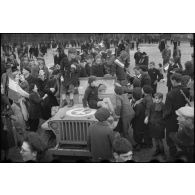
{"type": "Point", "coordinates": [100, 137]}
{"type": "Point", "coordinates": [91, 95]}
{"type": "Point", "coordinates": [69, 77]}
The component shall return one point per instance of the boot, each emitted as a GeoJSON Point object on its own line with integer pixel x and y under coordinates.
{"type": "Point", "coordinates": [63, 103]}
{"type": "Point", "coordinates": [71, 103]}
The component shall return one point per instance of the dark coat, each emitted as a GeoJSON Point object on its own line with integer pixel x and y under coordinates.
{"type": "Point", "coordinates": [145, 79]}
{"type": "Point", "coordinates": [138, 120]}
{"type": "Point", "coordinates": [155, 75]}
{"type": "Point", "coordinates": [100, 138]}
{"type": "Point", "coordinates": [41, 86]}
{"type": "Point", "coordinates": [49, 101]}
{"type": "Point", "coordinates": [35, 106]}
{"type": "Point", "coordinates": [144, 60]}
{"type": "Point", "coordinates": [169, 73]}
{"type": "Point", "coordinates": [174, 101]}
{"type": "Point", "coordinates": [156, 121]}
{"type": "Point", "coordinates": [98, 70]}
{"type": "Point", "coordinates": [31, 80]}
{"type": "Point", "coordinates": [85, 71]}
{"type": "Point", "coordinates": [147, 101]}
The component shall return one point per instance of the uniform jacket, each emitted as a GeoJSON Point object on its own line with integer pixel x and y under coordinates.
{"type": "Point", "coordinates": [173, 102]}
{"type": "Point", "coordinates": [123, 107]}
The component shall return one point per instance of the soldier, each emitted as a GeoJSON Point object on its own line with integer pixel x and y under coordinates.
{"type": "Point", "coordinates": [69, 77]}
{"type": "Point", "coordinates": [174, 100]}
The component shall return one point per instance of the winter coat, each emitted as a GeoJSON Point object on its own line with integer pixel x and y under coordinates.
{"type": "Point", "coordinates": [91, 97]}
{"type": "Point", "coordinates": [49, 101]}
{"type": "Point", "coordinates": [169, 73]}
{"type": "Point", "coordinates": [138, 120]}
{"type": "Point", "coordinates": [100, 138]}
{"type": "Point", "coordinates": [35, 106]}
{"type": "Point", "coordinates": [147, 101]}
{"type": "Point", "coordinates": [155, 75]}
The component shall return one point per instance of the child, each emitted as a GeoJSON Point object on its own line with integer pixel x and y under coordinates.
{"type": "Point", "coordinates": [86, 67]}
{"type": "Point", "coordinates": [100, 137]}
{"type": "Point", "coordinates": [91, 96]}
{"type": "Point", "coordinates": [138, 124]}
{"type": "Point", "coordinates": [97, 68]}
{"type": "Point", "coordinates": [125, 111]}
{"type": "Point", "coordinates": [147, 101]}
{"type": "Point", "coordinates": [157, 124]}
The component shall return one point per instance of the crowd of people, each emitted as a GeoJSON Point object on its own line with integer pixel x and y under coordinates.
{"type": "Point", "coordinates": [140, 112]}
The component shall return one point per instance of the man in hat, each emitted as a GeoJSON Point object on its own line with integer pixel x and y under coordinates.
{"type": "Point", "coordinates": [144, 59]}
{"type": "Point", "coordinates": [100, 137]}
{"type": "Point", "coordinates": [69, 77]}
{"type": "Point", "coordinates": [137, 56]}
{"type": "Point", "coordinates": [145, 77]}
{"type": "Point", "coordinates": [174, 100]}
{"type": "Point", "coordinates": [123, 150]}
{"type": "Point", "coordinates": [184, 138]}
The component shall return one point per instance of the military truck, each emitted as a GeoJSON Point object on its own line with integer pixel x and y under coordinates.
{"type": "Point", "coordinates": [70, 125]}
